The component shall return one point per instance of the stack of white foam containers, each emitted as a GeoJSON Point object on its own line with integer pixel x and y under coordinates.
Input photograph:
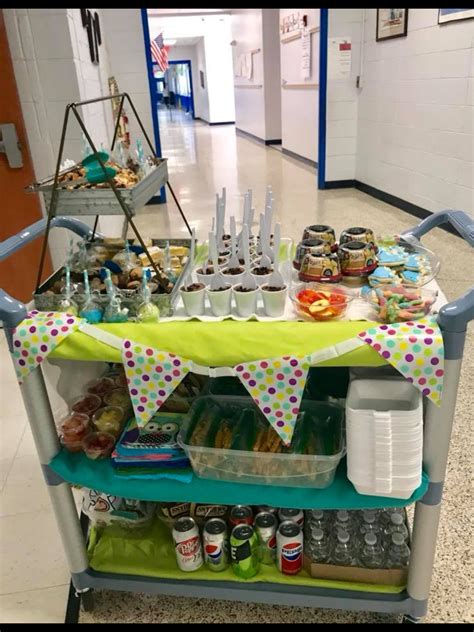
{"type": "Point", "coordinates": [384, 433]}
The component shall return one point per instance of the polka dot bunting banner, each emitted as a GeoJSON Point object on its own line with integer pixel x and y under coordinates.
{"type": "Point", "coordinates": [276, 386]}
{"type": "Point", "coordinates": [36, 336]}
{"type": "Point", "coordinates": [415, 349]}
{"type": "Point", "coordinates": [152, 376]}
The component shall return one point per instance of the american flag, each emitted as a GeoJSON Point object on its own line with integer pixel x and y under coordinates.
{"type": "Point", "coordinates": [159, 52]}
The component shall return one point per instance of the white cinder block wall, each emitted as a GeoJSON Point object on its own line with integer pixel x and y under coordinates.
{"type": "Point", "coordinates": [123, 36]}
{"type": "Point", "coordinates": [415, 114]}
{"type": "Point", "coordinates": [247, 32]}
{"type": "Point", "coordinates": [300, 107]}
{"type": "Point", "coordinates": [342, 98]}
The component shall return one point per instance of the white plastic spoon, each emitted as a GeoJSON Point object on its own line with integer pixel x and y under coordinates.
{"type": "Point", "coordinates": [234, 260]}
{"type": "Point", "coordinates": [248, 282]}
{"type": "Point", "coordinates": [276, 280]}
{"type": "Point", "coordinates": [265, 261]}
{"type": "Point", "coordinates": [217, 280]}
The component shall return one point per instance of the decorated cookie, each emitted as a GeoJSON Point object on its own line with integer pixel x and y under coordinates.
{"type": "Point", "coordinates": [381, 276]}
{"type": "Point", "coordinates": [391, 257]}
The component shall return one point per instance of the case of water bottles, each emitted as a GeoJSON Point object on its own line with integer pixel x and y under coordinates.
{"type": "Point", "coordinates": [384, 433]}
{"type": "Point", "coordinates": [382, 571]}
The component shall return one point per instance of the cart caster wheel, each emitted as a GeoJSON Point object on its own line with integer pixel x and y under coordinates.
{"type": "Point", "coordinates": [87, 601]}
{"type": "Point", "coordinates": [407, 618]}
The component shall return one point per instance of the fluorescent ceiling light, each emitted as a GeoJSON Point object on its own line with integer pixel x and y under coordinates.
{"type": "Point", "coordinates": [169, 42]}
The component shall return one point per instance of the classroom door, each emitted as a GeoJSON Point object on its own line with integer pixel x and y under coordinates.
{"type": "Point", "coordinates": [19, 209]}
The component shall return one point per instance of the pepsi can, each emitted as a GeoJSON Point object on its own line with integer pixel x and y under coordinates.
{"type": "Point", "coordinates": [215, 545]}
{"type": "Point", "coordinates": [241, 514]}
{"type": "Point", "coordinates": [295, 515]}
{"type": "Point", "coordinates": [187, 544]}
{"type": "Point", "coordinates": [266, 526]}
{"type": "Point", "coordinates": [290, 548]}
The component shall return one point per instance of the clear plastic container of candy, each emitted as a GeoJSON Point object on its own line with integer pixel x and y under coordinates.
{"type": "Point", "coordinates": [398, 303]}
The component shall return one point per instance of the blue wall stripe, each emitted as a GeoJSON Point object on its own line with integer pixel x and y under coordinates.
{"type": "Point", "coordinates": [323, 84]}
{"type": "Point", "coordinates": [153, 95]}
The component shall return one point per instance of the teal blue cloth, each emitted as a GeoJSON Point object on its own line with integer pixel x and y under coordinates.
{"type": "Point", "coordinates": [76, 468]}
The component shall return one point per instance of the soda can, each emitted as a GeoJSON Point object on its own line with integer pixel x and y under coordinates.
{"type": "Point", "coordinates": [273, 510]}
{"type": "Point", "coordinates": [244, 551]}
{"type": "Point", "coordinates": [266, 527]}
{"type": "Point", "coordinates": [290, 547]}
{"type": "Point", "coordinates": [295, 515]}
{"type": "Point", "coordinates": [214, 537]}
{"type": "Point", "coordinates": [187, 544]}
{"type": "Point", "coordinates": [241, 514]}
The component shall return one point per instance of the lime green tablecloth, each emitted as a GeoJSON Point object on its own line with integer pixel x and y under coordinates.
{"type": "Point", "coordinates": [152, 555]}
{"type": "Point", "coordinates": [227, 343]}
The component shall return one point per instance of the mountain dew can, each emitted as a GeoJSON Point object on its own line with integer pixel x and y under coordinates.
{"type": "Point", "coordinates": [244, 551]}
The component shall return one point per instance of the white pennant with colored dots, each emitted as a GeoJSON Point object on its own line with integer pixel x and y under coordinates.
{"type": "Point", "coordinates": [415, 349]}
{"type": "Point", "coordinates": [276, 386]}
{"type": "Point", "coordinates": [36, 336]}
{"type": "Point", "coordinates": [152, 376]}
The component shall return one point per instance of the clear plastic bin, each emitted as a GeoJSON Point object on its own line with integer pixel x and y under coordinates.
{"type": "Point", "coordinates": [319, 431]}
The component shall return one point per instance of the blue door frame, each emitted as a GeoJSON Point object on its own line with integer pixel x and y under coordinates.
{"type": "Point", "coordinates": [153, 99]}
{"type": "Point", "coordinates": [188, 63]}
{"type": "Point", "coordinates": [323, 85]}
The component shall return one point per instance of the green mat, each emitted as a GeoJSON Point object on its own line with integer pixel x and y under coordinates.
{"type": "Point", "coordinates": [78, 469]}
{"type": "Point", "coordinates": [228, 342]}
{"type": "Point", "coordinates": [118, 551]}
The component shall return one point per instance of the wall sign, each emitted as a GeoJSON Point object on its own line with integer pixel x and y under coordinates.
{"type": "Point", "coordinates": [91, 23]}
{"type": "Point", "coordinates": [339, 57]}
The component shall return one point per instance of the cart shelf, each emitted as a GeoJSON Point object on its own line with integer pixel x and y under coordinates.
{"type": "Point", "coordinates": [100, 475]}
{"type": "Point", "coordinates": [151, 557]}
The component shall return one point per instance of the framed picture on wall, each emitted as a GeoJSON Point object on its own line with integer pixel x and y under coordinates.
{"type": "Point", "coordinates": [391, 23]}
{"type": "Point", "coordinates": [450, 15]}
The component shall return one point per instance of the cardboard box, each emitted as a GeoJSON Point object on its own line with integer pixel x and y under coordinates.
{"type": "Point", "coordinates": [384, 576]}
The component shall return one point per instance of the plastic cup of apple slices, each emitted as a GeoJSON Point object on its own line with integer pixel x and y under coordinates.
{"type": "Point", "coordinates": [318, 302]}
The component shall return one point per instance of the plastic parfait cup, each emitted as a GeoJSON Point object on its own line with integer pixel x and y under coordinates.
{"type": "Point", "coordinates": [220, 300]}
{"type": "Point", "coordinates": [274, 300]}
{"type": "Point", "coordinates": [98, 445]}
{"type": "Point", "coordinates": [109, 419]}
{"type": "Point", "coordinates": [74, 427]}
{"type": "Point", "coordinates": [193, 298]}
{"type": "Point", "coordinates": [100, 386]}
{"type": "Point", "coordinates": [86, 404]}
{"type": "Point", "coordinates": [245, 300]}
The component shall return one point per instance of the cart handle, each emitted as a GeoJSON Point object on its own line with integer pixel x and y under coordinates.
{"type": "Point", "coordinates": [454, 316]}
{"type": "Point", "coordinates": [458, 219]}
{"type": "Point", "coordinates": [18, 241]}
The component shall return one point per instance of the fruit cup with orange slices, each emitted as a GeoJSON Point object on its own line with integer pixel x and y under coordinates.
{"type": "Point", "coordinates": [320, 303]}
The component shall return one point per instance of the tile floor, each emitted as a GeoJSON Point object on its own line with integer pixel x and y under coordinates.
{"type": "Point", "coordinates": [202, 159]}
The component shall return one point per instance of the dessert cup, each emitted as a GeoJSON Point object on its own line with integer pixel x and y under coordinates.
{"type": "Point", "coordinates": [109, 419]}
{"type": "Point", "coordinates": [235, 278]}
{"type": "Point", "coordinates": [205, 278]}
{"type": "Point", "coordinates": [98, 445]}
{"type": "Point", "coordinates": [220, 300]}
{"type": "Point", "coordinates": [261, 278]}
{"type": "Point", "coordinates": [193, 299]}
{"type": "Point", "coordinates": [246, 301]}
{"type": "Point", "coordinates": [274, 300]}
{"type": "Point", "coordinates": [86, 404]}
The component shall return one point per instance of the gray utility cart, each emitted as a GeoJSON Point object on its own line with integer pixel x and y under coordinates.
{"type": "Point", "coordinates": [411, 601]}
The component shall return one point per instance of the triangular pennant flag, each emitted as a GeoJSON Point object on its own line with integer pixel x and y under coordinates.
{"type": "Point", "coordinates": [152, 376]}
{"type": "Point", "coordinates": [36, 336]}
{"type": "Point", "coordinates": [276, 386]}
{"type": "Point", "coordinates": [415, 349]}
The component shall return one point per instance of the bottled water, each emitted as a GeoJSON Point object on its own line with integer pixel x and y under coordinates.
{"type": "Point", "coordinates": [343, 554]}
{"type": "Point", "coordinates": [319, 548]}
{"type": "Point", "coordinates": [344, 522]}
{"type": "Point", "coordinates": [369, 523]}
{"type": "Point", "coordinates": [318, 520]}
{"type": "Point", "coordinates": [396, 524]}
{"type": "Point", "coordinates": [398, 554]}
{"type": "Point", "coordinates": [386, 514]}
{"type": "Point", "coordinates": [371, 555]}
